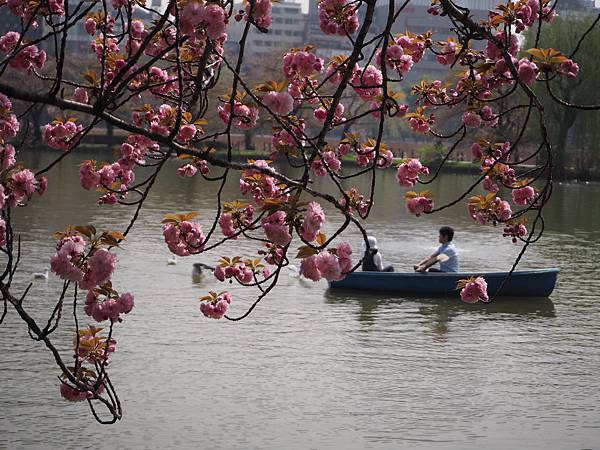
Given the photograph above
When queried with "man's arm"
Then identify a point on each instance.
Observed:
(421, 265)
(433, 259)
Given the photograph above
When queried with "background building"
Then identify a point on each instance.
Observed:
(286, 31)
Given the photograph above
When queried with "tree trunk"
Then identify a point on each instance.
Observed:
(560, 145)
(248, 140)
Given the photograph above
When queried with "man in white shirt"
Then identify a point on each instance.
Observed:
(446, 255)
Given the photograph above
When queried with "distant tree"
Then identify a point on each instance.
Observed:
(571, 129)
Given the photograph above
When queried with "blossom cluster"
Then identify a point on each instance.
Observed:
(353, 200)
(215, 305)
(81, 257)
(183, 237)
(408, 172)
(332, 264)
(244, 271)
(237, 216)
(17, 184)
(489, 209)
(337, 17)
(418, 203)
(473, 290)
(25, 57)
(261, 186)
(62, 135)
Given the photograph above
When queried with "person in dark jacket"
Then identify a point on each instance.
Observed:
(372, 260)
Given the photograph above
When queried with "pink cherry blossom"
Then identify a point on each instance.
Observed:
(67, 260)
(101, 266)
(448, 53)
(90, 26)
(475, 291)
(329, 266)
(367, 82)
(186, 133)
(276, 229)
(187, 171)
(81, 95)
(472, 119)
(419, 125)
(280, 103)
(299, 64)
(309, 268)
(9, 41)
(226, 224)
(24, 58)
(184, 238)
(386, 159)
(419, 205)
(88, 176)
(408, 172)
(2, 232)
(337, 17)
(515, 231)
(523, 196)
(244, 116)
(343, 149)
(126, 303)
(569, 68)
(489, 185)
(260, 14)
(7, 156)
(62, 135)
(489, 118)
(71, 394)
(344, 254)
(314, 217)
(332, 161)
(217, 308)
(23, 183)
(528, 71)
(322, 112)
(476, 151)
(494, 53)
(9, 125)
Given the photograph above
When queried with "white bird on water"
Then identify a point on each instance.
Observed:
(41, 275)
(171, 261)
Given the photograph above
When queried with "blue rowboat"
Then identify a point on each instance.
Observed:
(525, 283)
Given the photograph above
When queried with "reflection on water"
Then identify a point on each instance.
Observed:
(314, 368)
(438, 312)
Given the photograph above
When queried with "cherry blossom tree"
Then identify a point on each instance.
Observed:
(153, 77)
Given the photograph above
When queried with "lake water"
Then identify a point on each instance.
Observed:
(312, 368)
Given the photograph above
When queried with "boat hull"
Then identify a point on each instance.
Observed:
(526, 283)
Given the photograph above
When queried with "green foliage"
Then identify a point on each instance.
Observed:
(431, 154)
(573, 133)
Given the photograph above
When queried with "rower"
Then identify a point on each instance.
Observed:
(446, 255)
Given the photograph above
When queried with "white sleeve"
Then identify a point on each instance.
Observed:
(378, 261)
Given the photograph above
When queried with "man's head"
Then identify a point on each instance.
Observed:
(446, 235)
